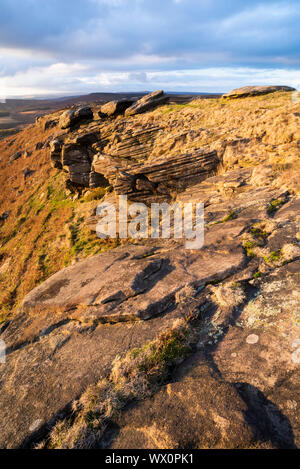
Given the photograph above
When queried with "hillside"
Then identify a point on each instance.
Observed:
(15, 114)
(125, 343)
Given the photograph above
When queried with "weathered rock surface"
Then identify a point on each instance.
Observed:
(275, 353)
(72, 117)
(115, 281)
(146, 103)
(135, 144)
(255, 91)
(114, 108)
(47, 122)
(127, 167)
(42, 377)
(198, 410)
(55, 153)
(158, 178)
(77, 161)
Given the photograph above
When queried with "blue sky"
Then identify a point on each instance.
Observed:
(80, 46)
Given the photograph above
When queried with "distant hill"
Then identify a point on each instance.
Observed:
(15, 114)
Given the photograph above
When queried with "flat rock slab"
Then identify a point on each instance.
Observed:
(147, 103)
(255, 91)
(129, 283)
(43, 376)
(263, 350)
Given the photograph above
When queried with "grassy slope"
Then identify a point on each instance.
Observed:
(45, 230)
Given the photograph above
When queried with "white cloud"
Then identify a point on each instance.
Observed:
(79, 78)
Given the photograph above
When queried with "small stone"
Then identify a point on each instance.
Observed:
(4, 216)
(16, 156)
(27, 172)
(35, 425)
(252, 339)
(39, 146)
(5, 266)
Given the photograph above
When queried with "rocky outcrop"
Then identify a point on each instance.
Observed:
(126, 167)
(134, 144)
(147, 103)
(77, 161)
(55, 153)
(72, 117)
(255, 91)
(160, 178)
(114, 108)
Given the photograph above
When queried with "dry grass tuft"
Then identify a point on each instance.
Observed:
(228, 295)
(132, 377)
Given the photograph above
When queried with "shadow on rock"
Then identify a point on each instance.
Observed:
(265, 418)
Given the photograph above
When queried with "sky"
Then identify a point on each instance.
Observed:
(71, 47)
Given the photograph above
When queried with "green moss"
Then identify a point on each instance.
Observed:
(249, 245)
(159, 358)
(258, 233)
(44, 266)
(50, 191)
(85, 243)
(274, 256)
(3, 315)
(257, 274)
(97, 194)
(230, 216)
(172, 108)
(15, 231)
(274, 205)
